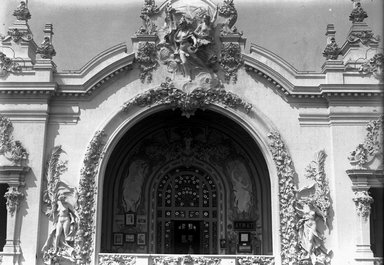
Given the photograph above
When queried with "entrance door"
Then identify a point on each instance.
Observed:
(187, 237)
(186, 212)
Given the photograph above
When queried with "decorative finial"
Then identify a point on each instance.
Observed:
(331, 51)
(46, 48)
(22, 12)
(358, 14)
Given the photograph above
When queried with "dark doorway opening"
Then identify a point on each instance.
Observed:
(187, 237)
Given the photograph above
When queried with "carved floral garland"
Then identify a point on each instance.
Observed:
(256, 260)
(7, 65)
(363, 202)
(116, 259)
(287, 198)
(13, 196)
(11, 149)
(146, 58)
(231, 60)
(188, 102)
(372, 146)
(186, 260)
(87, 194)
(374, 65)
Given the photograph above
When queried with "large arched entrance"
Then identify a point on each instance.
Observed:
(176, 185)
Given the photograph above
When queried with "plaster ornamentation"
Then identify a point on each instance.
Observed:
(374, 65)
(188, 103)
(256, 260)
(146, 58)
(14, 197)
(164, 260)
(189, 260)
(22, 12)
(365, 37)
(61, 208)
(287, 199)
(7, 65)
(87, 196)
(116, 259)
(12, 150)
(46, 49)
(313, 204)
(371, 147)
(149, 9)
(378, 261)
(16, 35)
(231, 61)
(363, 203)
(331, 51)
(358, 14)
(229, 12)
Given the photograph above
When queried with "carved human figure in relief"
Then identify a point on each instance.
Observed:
(132, 185)
(204, 31)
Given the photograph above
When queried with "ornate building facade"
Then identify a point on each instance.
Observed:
(190, 150)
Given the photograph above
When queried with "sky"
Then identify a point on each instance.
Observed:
(293, 29)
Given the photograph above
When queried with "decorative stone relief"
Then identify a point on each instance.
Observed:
(229, 12)
(365, 37)
(363, 203)
(116, 259)
(7, 65)
(231, 60)
(146, 58)
(61, 208)
(374, 65)
(371, 147)
(87, 192)
(313, 204)
(185, 260)
(188, 103)
(46, 49)
(12, 150)
(22, 12)
(16, 35)
(287, 199)
(358, 14)
(331, 51)
(256, 260)
(147, 12)
(14, 197)
(164, 260)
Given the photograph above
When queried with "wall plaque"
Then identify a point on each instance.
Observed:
(244, 225)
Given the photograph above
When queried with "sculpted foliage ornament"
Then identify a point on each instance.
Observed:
(287, 199)
(61, 208)
(14, 197)
(16, 35)
(188, 103)
(46, 49)
(358, 14)
(331, 51)
(149, 9)
(372, 146)
(116, 259)
(375, 66)
(231, 61)
(228, 11)
(365, 37)
(9, 148)
(22, 12)
(146, 58)
(363, 203)
(164, 260)
(87, 192)
(7, 65)
(256, 260)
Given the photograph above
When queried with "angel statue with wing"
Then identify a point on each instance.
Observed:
(61, 202)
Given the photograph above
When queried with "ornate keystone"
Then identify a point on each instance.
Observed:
(363, 203)
(14, 197)
(22, 12)
(358, 14)
(187, 102)
(7, 65)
